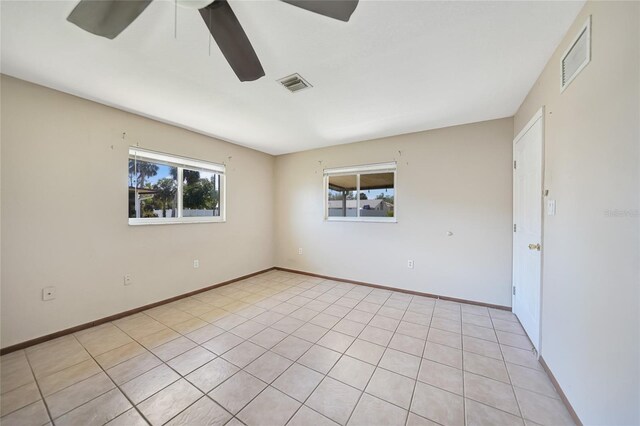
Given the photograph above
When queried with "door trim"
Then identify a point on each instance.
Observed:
(539, 115)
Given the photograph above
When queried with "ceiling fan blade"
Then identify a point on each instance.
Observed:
(232, 40)
(336, 9)
(106, 18)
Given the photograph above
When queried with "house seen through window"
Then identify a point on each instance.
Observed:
(364, 193)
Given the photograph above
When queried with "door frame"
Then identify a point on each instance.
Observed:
(539, 115)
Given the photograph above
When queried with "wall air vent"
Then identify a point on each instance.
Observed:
(577, 56)
(294, 83)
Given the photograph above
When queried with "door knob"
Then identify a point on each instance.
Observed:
(534, 247)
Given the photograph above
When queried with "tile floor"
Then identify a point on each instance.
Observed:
(282, 348)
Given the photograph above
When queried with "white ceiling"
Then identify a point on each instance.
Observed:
(396, 67)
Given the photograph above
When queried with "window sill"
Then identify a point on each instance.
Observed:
(362, 219)
(176, 221)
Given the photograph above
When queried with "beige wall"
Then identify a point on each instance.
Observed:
(456, 179)
(64, 214)
(591, 300)
(64, 178)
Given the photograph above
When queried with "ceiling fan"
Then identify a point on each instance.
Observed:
(108, 18)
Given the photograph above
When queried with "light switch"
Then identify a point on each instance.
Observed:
(551, 207)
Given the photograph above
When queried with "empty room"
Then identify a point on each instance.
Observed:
(319, 213)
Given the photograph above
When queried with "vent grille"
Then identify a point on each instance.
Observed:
(294, 83)
(577, 56)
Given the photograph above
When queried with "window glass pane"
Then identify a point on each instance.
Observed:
(200, 193)
(153, 189)
(342, 196)
(377, 195)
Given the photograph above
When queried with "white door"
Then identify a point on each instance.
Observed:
(527, 220)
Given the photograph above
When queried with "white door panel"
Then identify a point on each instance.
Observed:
(527, 218)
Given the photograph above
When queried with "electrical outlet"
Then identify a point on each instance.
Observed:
(128, 280)
(410, 264)
(196, 264)
(299, 250)
(48, 293)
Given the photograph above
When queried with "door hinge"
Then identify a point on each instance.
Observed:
(514, 227)
(514, 290)
(514, 164)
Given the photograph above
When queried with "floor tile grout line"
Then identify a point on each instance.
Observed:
(413, 392)
(85, 403)
(386, 347)
(270, 384)
(204, 395)
(125, 412)
(515, 396)
(487, 377)
(491, 378)
(420, 365)
(137, 340)
(132, 341)
(115, 387)
(496, 408)
(464, 400)
(481, 375)
(374, 371)
(132, 358)
(327, 375)
(133, 378)
(35, 380)
(429, 420)
(66, 387)
(243, 369)
(62, 369)
(537, 393)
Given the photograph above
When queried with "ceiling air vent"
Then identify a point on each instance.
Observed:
(577, 56)
(294, 83)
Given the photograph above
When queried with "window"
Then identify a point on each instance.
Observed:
(169, 189)
(363, 193)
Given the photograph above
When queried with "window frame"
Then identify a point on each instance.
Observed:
(390, 167)
(182, 163)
